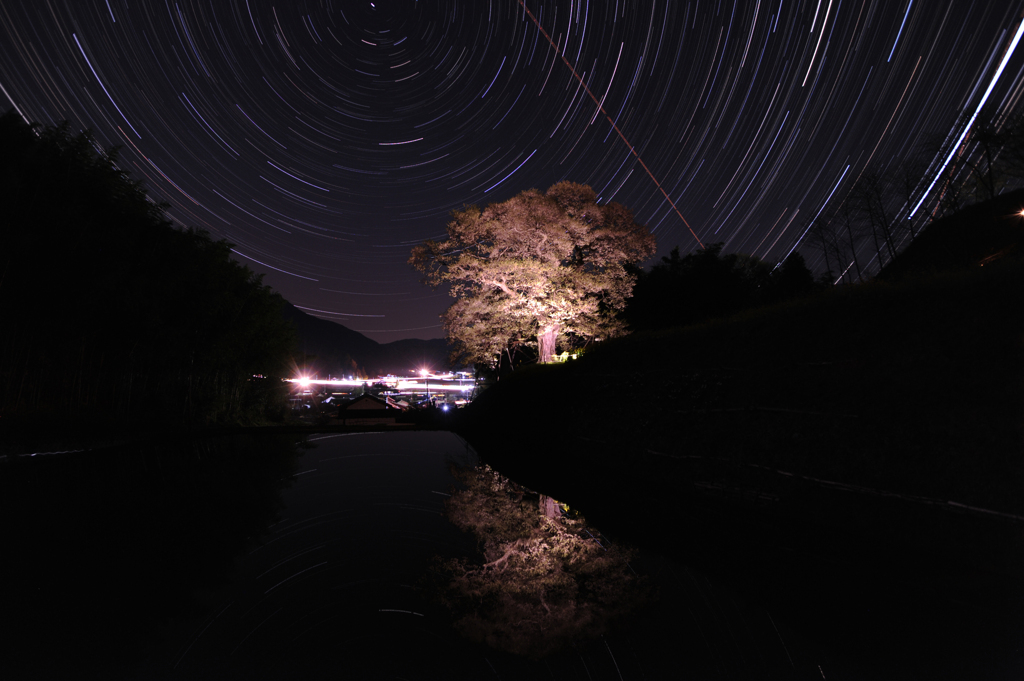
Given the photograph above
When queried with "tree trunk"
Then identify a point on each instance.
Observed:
(878, 246)
(546, 338)
(549, 507)
(820, 228)
(853, 244)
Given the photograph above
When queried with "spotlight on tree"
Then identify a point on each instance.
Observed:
(538, 270)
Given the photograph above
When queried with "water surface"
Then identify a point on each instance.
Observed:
(250, 558)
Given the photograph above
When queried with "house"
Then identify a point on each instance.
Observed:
(369, 410)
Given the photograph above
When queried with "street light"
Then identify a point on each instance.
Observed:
(426, 381)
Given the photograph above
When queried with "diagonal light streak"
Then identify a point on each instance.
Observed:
(75, 36)
(600, 107)
(967, 128)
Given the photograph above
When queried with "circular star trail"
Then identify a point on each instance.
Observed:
(325, 138)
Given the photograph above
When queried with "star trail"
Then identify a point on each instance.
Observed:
(325, 138)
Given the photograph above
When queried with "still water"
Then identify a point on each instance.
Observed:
(259, 558)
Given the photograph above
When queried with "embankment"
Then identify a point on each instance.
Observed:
(851, 461)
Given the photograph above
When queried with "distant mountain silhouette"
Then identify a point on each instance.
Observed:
(333, 349)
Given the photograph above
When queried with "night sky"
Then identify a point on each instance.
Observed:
(324, 138)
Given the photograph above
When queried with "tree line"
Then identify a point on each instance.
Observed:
(704, 284)
(110, 312)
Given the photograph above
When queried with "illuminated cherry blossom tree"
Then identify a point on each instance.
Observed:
(545, 266)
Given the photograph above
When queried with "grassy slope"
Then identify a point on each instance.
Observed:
(912, 387)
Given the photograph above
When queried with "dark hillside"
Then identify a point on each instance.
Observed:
(337, 350)
(334, 346)
(412, 354)
(976, 236)
(820, 453)
(914, 387)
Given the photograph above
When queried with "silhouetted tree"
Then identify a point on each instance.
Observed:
(109, 309)
(1010, 140)
(549, 267)
(966, 177)
(792, 278)
(823, 233)
(909, 179)
(833, 234)
(845, 216)
(706, 284)
(873, 201)
(996, 158)
(983, 163)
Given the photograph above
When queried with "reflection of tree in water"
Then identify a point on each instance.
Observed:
(546, 582)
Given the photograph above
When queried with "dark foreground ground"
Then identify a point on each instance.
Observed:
(851, 462)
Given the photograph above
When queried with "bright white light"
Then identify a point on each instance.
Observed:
(967, 128)
(437, 383)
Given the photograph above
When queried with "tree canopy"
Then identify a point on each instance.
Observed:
(109, 310)
(706, 284)
(538, 270)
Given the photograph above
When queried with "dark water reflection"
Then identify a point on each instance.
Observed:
(249, 558)
(100, 548)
